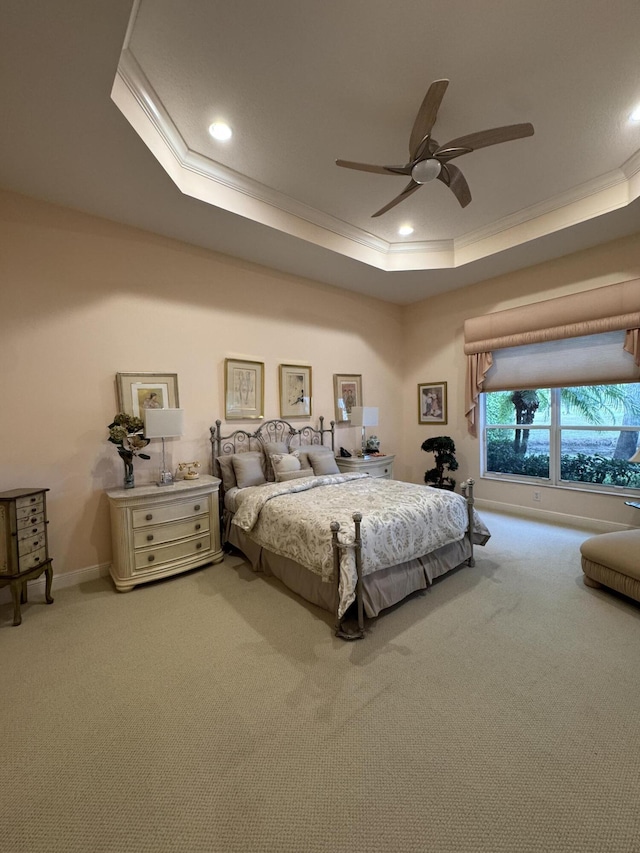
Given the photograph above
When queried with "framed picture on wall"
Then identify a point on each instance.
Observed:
(243, 389)
(347, 390)
(140, 391)
(432, 403)
(295, 391)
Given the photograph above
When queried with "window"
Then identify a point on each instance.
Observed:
(578, 437)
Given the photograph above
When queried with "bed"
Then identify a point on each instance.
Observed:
(349, 543)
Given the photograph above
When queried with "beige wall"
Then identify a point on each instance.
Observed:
(82, 299)
(434, 352)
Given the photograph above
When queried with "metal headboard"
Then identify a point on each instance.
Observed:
(276, 430)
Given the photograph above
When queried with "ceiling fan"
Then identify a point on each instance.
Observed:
(428, 160)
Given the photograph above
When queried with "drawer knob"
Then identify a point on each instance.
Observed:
(150, 537)
(33, 500)
(198, 526)
(148, 516)
(36, 559)
(199, 545)
(33, 520)
(197, 507)
(34, 530)
(151, 558)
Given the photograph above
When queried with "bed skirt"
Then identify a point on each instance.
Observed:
(380, 589)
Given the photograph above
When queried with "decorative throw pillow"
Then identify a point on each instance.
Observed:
(248, 469)
(303, 453)
(294, 475)
(274, 448)
(323, 463)
(284, 464)
(227, 474)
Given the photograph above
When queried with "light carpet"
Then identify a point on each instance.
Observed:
(216, 712)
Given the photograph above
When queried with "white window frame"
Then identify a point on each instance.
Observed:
(554, 427)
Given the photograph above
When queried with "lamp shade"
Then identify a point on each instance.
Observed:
(635, 457)
(365, 416)
(163, 423)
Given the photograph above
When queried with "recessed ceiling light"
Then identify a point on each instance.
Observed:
(635, 115)
(405, 230)
(220, 131)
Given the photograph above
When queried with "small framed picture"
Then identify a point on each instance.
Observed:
(432, 403)
(243, 389)
(347, 389)
(140, 391)
(295, 391)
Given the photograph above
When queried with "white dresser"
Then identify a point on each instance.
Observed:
(374, 466)
(157, 531)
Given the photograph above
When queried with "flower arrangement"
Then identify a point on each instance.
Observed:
(126, 432)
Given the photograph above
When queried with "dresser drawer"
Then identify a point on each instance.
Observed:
(377, 471)
(34, 543)
(31, 529)
(149, 558)
(30, 561)
(144, 537)
(169, 512)
(23, 504)
(29, 515)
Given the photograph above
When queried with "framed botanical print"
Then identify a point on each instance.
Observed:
(140, 391)
(432, 403)
(347, 390)
(243, 389)
(295, 391)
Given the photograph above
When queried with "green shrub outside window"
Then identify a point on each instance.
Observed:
(580, 435)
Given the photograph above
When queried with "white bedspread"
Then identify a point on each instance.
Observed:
(400, 521)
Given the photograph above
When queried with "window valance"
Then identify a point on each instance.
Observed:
(508, 348)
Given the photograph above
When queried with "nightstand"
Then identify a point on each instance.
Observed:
(374, 466)
(24, 550)
(158, 531)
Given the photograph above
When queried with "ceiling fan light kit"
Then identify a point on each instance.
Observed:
(429, 161)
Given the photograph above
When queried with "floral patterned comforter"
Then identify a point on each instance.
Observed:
(400, 521)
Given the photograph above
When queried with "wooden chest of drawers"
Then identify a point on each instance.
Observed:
(157, 531)
(24, 549)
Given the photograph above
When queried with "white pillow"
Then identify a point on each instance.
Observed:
(284, 464)
(248, 469)
(323, 463)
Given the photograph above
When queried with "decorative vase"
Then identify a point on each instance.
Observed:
(127, 458)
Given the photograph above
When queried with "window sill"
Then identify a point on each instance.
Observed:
(618, 492)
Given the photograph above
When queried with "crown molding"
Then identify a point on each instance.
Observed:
(215, 184)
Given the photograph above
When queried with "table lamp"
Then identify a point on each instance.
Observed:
(163, 423)
(364, 416)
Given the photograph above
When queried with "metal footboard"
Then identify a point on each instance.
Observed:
(467, 492)
(338, 547)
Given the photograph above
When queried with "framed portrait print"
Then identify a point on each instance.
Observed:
(347, 389)
(243, 389)
(140, 391)
(295, 391)
(432, 403)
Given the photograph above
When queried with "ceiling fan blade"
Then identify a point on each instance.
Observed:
(411, 187)
(427, 113)
(456, 181)
(379, 170)
(484, 138)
